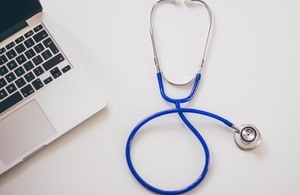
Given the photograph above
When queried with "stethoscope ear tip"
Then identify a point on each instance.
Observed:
(247, 137)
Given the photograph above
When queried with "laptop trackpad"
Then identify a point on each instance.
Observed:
(23, 131)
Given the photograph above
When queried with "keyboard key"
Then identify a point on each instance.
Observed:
(11, 88)
(3, 94)
(29, 43)
(53, 62)
(2, 83)
(40, 36)
(19, 40)
(50, 44)
(9, 46)
(47, 54)
(29, 76)
(55, 72)
(3, 70)
(12, 65)
(66, 69)
(21, 59)
(20, 48)
(3, 59)
(11, 54)
(39, 48)
(10, 101)
(38, 71)
(10, 77)
(37, 84)
(19, 71)
(28, 34)
(27, 90)
(28, 66)
(48, 80)
(38, 28)
(37, 60)
(20, 82)
(2, 50)
(30, 54)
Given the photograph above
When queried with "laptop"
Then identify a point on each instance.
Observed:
(44, 90)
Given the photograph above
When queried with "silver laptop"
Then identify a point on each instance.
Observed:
(44, 90)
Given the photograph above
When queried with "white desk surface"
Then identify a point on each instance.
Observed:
(251, 75)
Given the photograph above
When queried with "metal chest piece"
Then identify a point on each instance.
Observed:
(247, 137)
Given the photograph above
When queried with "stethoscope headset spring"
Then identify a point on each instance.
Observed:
(246, 137)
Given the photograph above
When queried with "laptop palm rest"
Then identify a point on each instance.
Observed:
(24, 131)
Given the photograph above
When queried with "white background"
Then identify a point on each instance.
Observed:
(251, 75)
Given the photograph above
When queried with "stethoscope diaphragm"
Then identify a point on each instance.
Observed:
(247, 137)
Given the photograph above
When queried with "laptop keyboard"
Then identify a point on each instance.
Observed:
(27, 65)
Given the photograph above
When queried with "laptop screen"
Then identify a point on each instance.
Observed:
(13, 14)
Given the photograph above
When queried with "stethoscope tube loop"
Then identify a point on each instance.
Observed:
(181, 112)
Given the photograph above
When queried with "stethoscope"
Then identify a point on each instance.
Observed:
(246, 137)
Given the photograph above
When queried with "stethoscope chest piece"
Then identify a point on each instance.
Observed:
(247, 137)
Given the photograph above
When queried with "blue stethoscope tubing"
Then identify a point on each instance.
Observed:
(180, 111)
